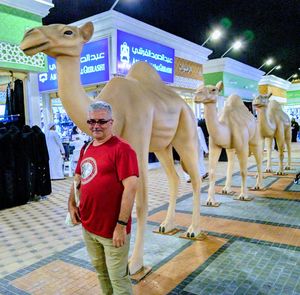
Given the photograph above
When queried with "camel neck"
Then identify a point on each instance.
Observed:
(215, 128)
(266, 128)
(71, 92)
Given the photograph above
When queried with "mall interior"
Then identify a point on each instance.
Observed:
(246, 247)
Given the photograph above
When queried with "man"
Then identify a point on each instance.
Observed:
(108, 172)
(295, 129)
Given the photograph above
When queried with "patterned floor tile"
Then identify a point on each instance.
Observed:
(52, 279)
(251, 181)
(248, 268)
(294, 169)
(263, 210)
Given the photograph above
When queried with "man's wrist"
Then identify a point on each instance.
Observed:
(121, 222)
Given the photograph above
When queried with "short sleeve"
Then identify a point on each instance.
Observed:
(126, 162)
(78, 169)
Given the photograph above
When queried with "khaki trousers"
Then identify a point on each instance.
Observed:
(111, 264)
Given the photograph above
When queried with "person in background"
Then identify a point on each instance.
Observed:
(202, 149)
(56, 153)
(295, 129)
(108, 174)
(74, 132)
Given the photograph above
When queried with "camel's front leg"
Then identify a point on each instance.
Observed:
(257, 152)
(288, 146)
(269, 141)
(230, 156)
(243, 160)
(214, 154)
(166, 159)
(189, 155)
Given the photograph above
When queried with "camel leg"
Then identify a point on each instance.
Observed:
(187, 156)
(243, 160)
(269, 154)
(280, 144)
(136, 259)
(166, 159)
(230, 156)
(257, 152)
(213, 158)
(288, 146)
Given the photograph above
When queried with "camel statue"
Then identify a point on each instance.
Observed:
(147, 113)
(235, 129)
(273, 123)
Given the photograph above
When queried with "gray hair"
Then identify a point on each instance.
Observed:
(100, 105)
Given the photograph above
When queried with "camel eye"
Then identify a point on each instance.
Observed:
(69, 32)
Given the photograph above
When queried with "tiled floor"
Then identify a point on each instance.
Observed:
(251, 247)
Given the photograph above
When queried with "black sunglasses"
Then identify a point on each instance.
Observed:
(100, 121)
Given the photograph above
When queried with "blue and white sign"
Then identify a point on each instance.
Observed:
(93, 66)
(131, 49)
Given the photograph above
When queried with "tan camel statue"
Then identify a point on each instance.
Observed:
(147, 113)
(273, 123)
(235, 129)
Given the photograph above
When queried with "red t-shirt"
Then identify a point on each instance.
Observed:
(102, 169)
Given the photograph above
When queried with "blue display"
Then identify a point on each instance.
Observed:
(131, 49)
(94, 66)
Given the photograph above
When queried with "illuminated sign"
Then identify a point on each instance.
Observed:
(131, 49)
(93, 66)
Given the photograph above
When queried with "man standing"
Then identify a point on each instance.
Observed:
(108, 171)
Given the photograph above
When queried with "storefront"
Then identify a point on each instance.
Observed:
(292, 106)
(275, 85)
(17, 71)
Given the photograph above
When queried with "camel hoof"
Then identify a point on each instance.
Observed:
(227, 192)
(268, 170)
(243, 198)
(256, 188)
(287, 168)
(134, 267)
(212, 204)
(280, 173)
(161, 229)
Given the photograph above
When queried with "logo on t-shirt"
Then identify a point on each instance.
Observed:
(88, 170)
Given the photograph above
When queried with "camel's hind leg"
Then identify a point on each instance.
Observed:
(230, 156)
(243, 160)
(287, 133)
(280, 144)
(189, 156)
(166, 159)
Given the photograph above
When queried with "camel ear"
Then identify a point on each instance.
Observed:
(220, 86)
(87, 31)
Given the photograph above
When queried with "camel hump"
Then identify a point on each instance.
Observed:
(236, 113)
(234, 101)
(144, 72)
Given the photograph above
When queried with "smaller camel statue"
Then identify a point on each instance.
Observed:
(273, 122)
(235, 129)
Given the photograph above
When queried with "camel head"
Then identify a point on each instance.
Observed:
(208, 94)
(261, 101)
(57, 40)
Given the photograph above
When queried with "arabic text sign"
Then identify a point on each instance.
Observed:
(131, 49)
(93, 66)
